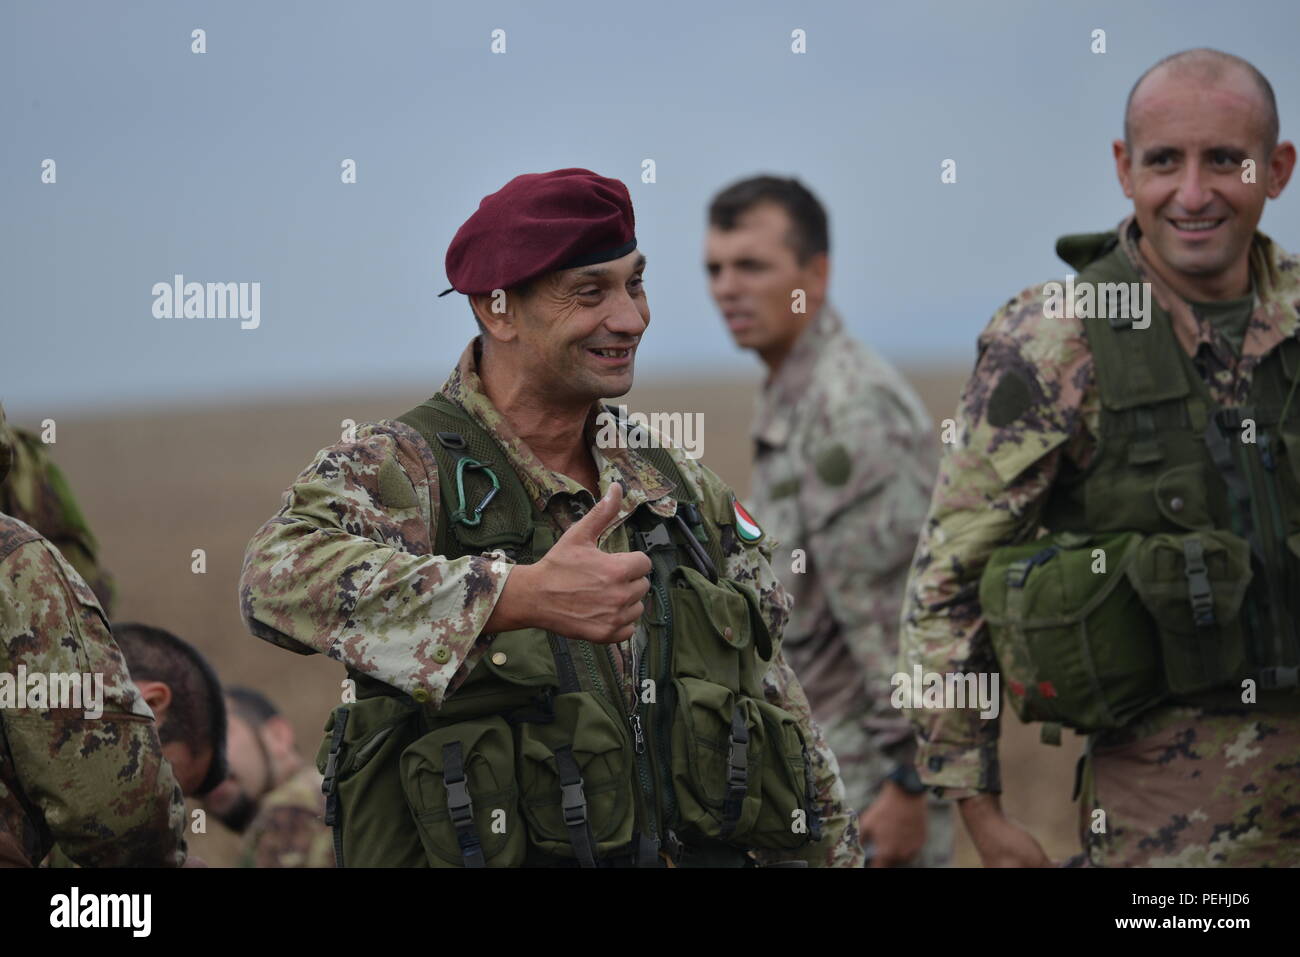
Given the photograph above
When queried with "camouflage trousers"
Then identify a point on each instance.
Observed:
(863, 769)
(1192, 788)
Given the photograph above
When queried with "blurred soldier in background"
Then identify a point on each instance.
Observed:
(1154, 436)
(92, 775)
(844, 464)
(185, 695)
(273, 796)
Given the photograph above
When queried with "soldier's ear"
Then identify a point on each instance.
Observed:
(279, 736)
(497, 313)
(158, 696)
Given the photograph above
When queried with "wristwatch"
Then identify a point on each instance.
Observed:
(905, 776)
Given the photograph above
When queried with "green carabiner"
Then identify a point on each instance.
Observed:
(460, 515)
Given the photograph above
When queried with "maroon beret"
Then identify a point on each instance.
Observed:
(538, 223)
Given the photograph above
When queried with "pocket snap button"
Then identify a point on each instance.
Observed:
(499, 658)
(1176, 504)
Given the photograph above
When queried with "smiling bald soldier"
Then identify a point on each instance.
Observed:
(563, 654)
(1117, 527)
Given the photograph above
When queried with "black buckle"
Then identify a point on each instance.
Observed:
(459, 805)
(574, 803)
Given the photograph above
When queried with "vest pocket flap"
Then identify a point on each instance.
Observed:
(522, 657)
(460, 785)
(1192, 581)
(723, 606)
(1181, 497)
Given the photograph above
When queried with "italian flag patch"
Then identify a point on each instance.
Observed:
(746, 527)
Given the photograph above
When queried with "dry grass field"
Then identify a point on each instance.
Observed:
(156, 485)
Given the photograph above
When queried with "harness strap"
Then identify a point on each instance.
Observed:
(459, 805)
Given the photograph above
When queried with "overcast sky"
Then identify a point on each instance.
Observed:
(225, 166)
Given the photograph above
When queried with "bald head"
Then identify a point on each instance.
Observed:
(1210, 68)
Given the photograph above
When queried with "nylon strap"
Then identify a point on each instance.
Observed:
(1198, 583)
(459, 806)
(737, 772)
(573, 802)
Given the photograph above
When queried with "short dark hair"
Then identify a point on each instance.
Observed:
(197, 715)
(1209, 64)
(252, 707)
(810, 232)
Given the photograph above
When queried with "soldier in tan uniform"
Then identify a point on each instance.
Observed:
(273, 796)
(843, 467)
(88, 774)
(1196, 739)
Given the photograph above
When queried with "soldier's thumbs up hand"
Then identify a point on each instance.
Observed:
(577, 590)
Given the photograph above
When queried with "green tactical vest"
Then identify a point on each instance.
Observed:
(1171, 568)
(538, 758)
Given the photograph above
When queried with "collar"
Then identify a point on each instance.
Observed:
(642, 482)
(1275, 279)
(778, 401)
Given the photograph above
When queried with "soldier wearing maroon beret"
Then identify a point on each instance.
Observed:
(566, 650)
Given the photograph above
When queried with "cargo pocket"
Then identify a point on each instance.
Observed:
(718, 634)
(1074, 644)
(460, 785)
(365, 803)
(1193, 586)
(788, 814)
(717, 743)
(575, 779)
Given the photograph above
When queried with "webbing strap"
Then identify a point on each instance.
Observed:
(1198, 583)
(328, 785)
(459, 806)
(737, 772)
(573, 803)
(1238, 485)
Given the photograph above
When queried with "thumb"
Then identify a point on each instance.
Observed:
(588, 528)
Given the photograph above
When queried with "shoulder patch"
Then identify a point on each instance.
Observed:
(746, 527)
(1010, 400)
(395, 490)
(834, 465)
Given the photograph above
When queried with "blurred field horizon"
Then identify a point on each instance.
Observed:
(157, 483)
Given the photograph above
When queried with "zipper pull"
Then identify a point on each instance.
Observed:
(638, 737)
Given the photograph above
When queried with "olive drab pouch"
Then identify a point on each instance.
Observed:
(739, 767)
(740, 651)
(460, 785)
(575, 779)
(364, 800)
(1193, 585)
(1074, 644)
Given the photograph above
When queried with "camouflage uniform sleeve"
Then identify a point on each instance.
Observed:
(36, 492)
(863, 502)
(751, 565)
(106, 793)
(346, 568)
(1018, 414)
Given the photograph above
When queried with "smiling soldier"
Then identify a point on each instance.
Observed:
(1161, 454)
(563, 654)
